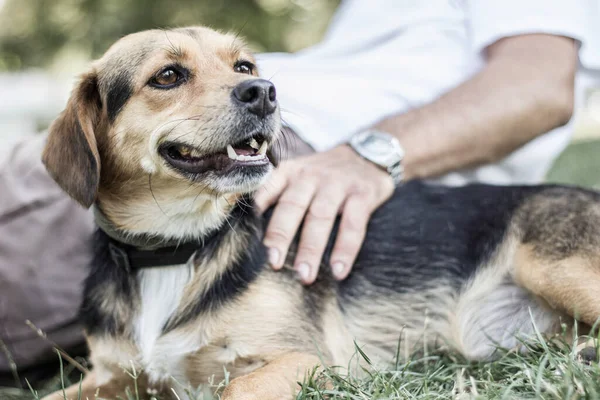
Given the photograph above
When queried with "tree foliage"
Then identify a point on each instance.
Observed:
(33, 32)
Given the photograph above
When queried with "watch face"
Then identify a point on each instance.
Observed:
(380, 148)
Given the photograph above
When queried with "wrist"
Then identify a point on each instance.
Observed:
(382, 150)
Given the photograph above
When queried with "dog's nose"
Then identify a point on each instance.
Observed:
(257, 95)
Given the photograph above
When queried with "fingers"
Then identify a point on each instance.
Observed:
(318, 188)
(286, 220)
(351, 234)
(270, 192)
(316, 230)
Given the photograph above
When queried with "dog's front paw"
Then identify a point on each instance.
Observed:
(259, 387)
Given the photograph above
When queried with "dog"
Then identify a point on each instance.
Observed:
(168, 135)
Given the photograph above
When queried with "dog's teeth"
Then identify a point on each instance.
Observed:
(250, 158)
(231, 152)
(263, 148)
(254, 144)
(239, 157)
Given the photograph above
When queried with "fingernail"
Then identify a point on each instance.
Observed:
(303, 271)
(273, 256)
(338, 269)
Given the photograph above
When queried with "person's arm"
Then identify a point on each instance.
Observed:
(524, 90)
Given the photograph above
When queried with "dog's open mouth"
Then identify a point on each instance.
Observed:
(250, 151)
(187, 158)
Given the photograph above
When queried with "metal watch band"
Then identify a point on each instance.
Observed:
(396, 171)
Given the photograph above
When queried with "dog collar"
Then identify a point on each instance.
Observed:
(141, 251)
(131, 258)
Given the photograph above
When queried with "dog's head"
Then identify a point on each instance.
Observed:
(166, 127)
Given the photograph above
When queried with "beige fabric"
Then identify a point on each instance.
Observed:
(44, 253)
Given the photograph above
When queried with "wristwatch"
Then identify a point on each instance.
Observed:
(382, 149)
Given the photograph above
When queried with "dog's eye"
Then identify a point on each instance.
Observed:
(167, 78)
(244, 67)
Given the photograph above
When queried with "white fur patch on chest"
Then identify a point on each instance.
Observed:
(161, 290)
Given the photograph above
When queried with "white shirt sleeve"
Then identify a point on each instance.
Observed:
(491, 20)
(386, 57)
(379, 58)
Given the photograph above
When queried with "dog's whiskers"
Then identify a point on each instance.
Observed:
(175, 51)
(154, 197)
(227, 216)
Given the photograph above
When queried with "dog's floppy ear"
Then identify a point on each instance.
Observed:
(71, 153)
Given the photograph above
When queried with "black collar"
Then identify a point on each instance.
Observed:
(142, 251)
(134, 252)
(132, 258)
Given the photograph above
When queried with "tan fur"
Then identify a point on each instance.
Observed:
(570, 285)
(114, 306)
(559, 260)
(275, 381)
(491, 299)
(417, 320)
(250, 333)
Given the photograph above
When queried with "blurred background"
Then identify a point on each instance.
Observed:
(44, 44)
(59, 34)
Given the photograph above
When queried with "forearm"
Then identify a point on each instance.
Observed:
(525, 90)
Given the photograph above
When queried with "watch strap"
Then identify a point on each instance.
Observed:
(396, 170)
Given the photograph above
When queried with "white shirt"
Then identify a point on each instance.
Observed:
(385, 57)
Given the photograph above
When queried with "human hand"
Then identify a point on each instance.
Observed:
(317, 188)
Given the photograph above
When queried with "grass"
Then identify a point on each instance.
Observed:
(548, 370)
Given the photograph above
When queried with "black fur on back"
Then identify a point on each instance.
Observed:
(425, 233)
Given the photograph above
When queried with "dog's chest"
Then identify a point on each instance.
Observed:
(161, 291)
(163, 354)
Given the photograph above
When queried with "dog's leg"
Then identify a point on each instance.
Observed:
(92, 391)
(275, 381)
(570, 284)
(88, 390)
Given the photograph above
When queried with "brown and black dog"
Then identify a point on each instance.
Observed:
(167, 136)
